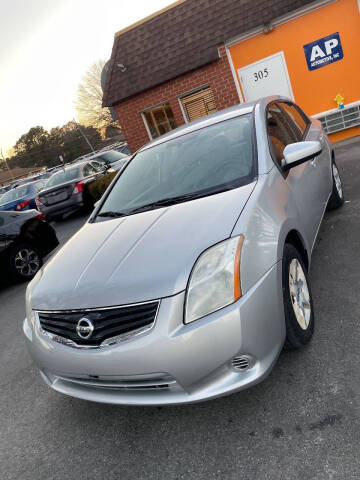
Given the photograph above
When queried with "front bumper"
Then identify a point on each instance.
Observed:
(173, 363)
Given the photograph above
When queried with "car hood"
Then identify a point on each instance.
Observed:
(136, 258)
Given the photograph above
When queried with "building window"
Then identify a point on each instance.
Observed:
(159, 120)
(198, 104)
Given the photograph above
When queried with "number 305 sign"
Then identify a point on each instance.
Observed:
(261, 74)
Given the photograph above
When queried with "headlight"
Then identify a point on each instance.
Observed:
(215, 279)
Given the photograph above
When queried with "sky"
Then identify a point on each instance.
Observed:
(46, 46)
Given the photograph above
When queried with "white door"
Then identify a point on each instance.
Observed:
(268, 76)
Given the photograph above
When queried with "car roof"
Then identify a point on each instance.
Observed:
(23, 185)
(98, 154)
(70, 167)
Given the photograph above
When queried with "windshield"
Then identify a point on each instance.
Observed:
(62, 177)
(110, 157)
(15, 194)
(200, 163)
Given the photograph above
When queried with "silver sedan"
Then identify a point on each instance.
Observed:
(192, 272)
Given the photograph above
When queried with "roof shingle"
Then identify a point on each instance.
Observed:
(182, 39)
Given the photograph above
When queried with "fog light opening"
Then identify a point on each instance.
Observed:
(242, 363)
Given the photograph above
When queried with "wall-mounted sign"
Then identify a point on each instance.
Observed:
(268, 76)
(323, 51)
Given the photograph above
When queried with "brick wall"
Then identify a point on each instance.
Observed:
(217, 74)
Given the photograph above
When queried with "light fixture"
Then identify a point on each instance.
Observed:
(268, 28)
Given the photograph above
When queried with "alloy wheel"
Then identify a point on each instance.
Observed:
(337, 180)
(299, 294)
(27, 262)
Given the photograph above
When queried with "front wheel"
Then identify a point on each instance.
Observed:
(337, 195)
(24, 261)
(298, 305)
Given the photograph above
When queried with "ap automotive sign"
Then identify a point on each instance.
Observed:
(323, 51)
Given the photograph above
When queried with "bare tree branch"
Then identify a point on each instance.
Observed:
(89, 99)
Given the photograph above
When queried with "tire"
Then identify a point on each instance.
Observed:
(299, 321)
(336, 199)
(24, 261)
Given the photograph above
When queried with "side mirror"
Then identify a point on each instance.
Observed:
(300, 152)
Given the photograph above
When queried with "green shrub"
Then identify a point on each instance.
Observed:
(98, 187)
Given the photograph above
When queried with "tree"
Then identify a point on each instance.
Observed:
(89, 100)
(40, 148)
(35, 138)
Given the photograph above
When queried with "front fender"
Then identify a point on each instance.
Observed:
(269, 215)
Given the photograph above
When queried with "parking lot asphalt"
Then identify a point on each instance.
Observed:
(302, 422)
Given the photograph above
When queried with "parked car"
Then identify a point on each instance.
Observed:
(67, 190)
(110, 158)
(22, 197)
(4, 189)
(43, 175)
(22, 181)
(123, 148)
(25, 239)
(192, 272)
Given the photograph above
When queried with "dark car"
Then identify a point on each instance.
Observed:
(22, 197)
(25, 239)
(123, 148)
(111, 159)
(68, 190)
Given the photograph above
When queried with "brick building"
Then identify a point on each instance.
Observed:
(199, 56)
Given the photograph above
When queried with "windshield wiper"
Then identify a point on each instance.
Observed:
(165, 202)
(112, 214)
(171, 201)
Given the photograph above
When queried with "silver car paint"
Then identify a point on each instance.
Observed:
(281, 204)
(197, 355)
(136, 258)
(172, 348)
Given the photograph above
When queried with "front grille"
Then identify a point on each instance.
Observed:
(109, 323)
(161, 383)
